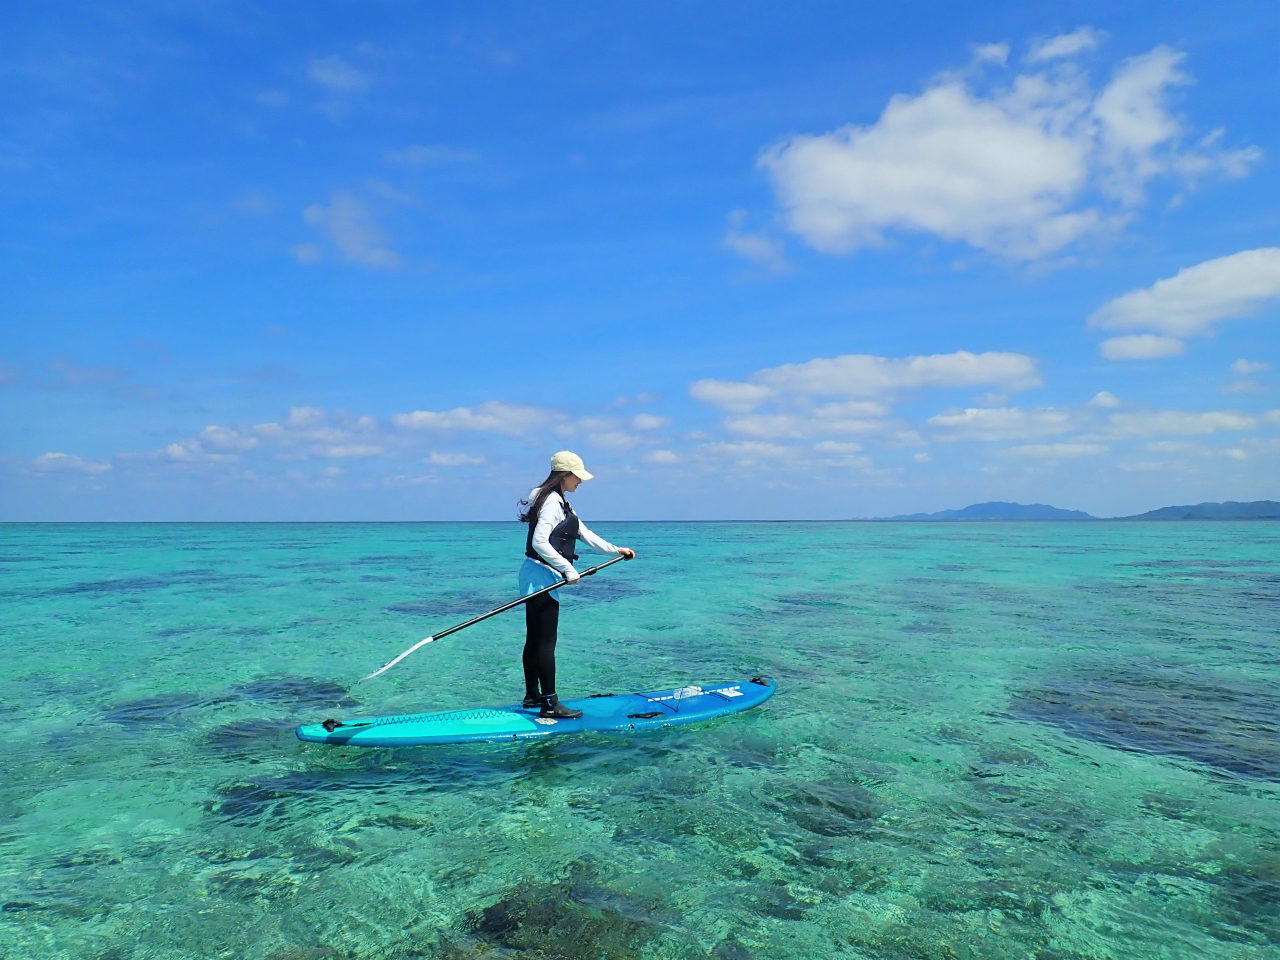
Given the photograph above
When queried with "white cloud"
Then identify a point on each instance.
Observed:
(1104, 399)
(454, 459)
(67, 462)
(835, 418)
(349, 225)
(304, 417)
(342, 450)
(1005, 172)
(863, 375)
(308, 253)
(662, 457)
(1057, 451)
(755, 247)
(1245, 368)
(419, 155)
(991, 53)
(1001, 423)
(336, 75)
(921, 457)
(647, 421)
(730, 396)
(224, 439)
(1066, 45)
(1141, 346)
(1178, 423)
(493, 416)
(191, 451)
(1192, 301)
(832, 446)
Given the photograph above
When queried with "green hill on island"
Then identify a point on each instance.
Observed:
(1231, 510)
(999, 510)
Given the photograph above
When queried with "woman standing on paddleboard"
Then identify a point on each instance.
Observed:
(554, 531)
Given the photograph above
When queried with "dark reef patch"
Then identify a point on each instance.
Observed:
(247, 737)
(293, 692)
(1233, 726)
(162, 581)
(829, 809)
(445, 608)
(571, 921)
(166, 708)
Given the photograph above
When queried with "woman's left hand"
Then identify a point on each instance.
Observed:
(626, 553)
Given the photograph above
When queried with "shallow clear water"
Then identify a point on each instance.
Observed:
(990, 740)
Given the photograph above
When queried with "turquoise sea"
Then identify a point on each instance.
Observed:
(1043, 741)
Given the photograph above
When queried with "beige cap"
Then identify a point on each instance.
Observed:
(569, 462)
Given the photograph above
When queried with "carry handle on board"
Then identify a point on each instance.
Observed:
(485, 616)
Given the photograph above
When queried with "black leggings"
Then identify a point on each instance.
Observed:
(541, 620)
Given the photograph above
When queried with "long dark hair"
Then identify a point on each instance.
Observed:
(533, 506)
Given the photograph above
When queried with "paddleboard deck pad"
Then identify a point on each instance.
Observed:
(612, 713)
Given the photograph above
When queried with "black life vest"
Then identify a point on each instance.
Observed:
(564, 538)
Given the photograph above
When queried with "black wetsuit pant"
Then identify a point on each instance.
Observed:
(541, 621)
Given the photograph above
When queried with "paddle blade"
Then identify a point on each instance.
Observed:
(391, 663)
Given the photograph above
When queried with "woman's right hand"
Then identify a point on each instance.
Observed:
(572, 576)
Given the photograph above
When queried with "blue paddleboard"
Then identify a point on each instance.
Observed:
(621, 712)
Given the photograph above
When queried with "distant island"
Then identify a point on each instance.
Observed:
(999, 510)
(1231, 510)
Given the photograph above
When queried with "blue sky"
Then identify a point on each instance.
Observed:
(801, 260)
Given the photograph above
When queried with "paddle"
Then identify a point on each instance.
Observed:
(484, 616)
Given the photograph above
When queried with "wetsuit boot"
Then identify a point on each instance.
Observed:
(553, 709)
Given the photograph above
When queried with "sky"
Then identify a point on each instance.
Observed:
(802, 260)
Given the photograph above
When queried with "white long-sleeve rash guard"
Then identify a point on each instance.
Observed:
(549, 518)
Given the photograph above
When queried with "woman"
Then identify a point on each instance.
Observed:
(554, 530)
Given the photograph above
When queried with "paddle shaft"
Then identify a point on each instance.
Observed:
(485, 616)
(526, 599)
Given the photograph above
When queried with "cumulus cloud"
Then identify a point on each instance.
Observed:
(1065, 45)
(863, 375)
(303, 417)
(68, 463)
(730, 396)
(226, 439)
(454, 459)
(826, 420)
(336, 75)
(661, 457)
(1141, 346)
(1178, 423)
(493, 416)
(341, 450)
(304, 432)
(1007, 171)
(1000, 423)
(349, 226)
(1245, 368)
(1189, 303)
(756, 247)
(1057, 451)
(648, 421)
(192, 451)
